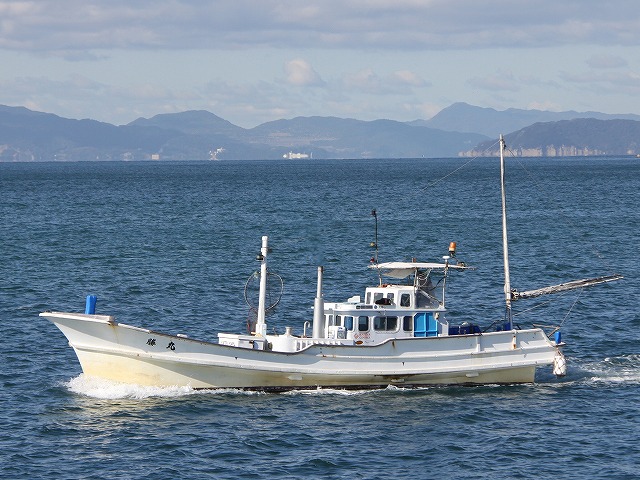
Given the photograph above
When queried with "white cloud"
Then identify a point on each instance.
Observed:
(409, 78)
(300, 73)
(365, 80)
(424, 110)
(405, 59)
(50, 25)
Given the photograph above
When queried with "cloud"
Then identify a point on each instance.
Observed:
(625, 82)
(75, 95)
(408, 78)
(606, 61)
(368, 81)
(365, 80)
(502, 81)
(544, 105)
(252, 61)
(424, 110)
(52, 25)
(300, 73)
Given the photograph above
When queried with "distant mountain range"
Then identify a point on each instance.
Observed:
(567, 138)
(462, 117)
(460, 129)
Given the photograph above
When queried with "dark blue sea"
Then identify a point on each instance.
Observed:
(169, 246)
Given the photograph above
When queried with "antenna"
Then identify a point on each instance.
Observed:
(374, 244)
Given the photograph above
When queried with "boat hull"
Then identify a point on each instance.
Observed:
(123, 353)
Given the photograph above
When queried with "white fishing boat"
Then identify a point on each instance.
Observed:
(396, 334)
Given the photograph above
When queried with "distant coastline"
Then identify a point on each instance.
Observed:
(459, 130)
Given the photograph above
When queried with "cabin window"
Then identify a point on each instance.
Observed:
(330, 320)
(338, 320)
(386, 324)
(368, 302)
(363, 323)
(391, 296)
(407, 323)
(405, 300)
(348, 323)
(377, 296)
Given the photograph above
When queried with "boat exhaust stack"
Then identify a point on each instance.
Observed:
(318, 309)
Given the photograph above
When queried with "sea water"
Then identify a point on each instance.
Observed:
(170, 246)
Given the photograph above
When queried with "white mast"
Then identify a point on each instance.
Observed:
(505, 243)
(261, 326)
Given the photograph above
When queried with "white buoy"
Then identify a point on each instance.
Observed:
(559, 364)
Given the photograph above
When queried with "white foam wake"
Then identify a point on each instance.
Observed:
(621, 369)
(109, 390)
(95, 387)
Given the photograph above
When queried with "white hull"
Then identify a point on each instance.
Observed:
(129, 354)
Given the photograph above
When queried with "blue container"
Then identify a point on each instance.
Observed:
(558, 337)
(90, 307)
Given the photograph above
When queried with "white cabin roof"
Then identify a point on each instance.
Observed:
(404, 269)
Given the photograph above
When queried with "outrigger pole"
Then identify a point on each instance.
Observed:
(505, 243)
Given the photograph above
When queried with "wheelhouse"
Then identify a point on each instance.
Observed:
(411, 307)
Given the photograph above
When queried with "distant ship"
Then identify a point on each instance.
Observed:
(292, 155)
(213, 154)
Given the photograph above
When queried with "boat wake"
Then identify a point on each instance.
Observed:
(103, 389)
(99, 388)
(624, 369)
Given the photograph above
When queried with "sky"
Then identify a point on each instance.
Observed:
(253, 61)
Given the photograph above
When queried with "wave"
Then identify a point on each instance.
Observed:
(94, 387)
(623, 369)
(103, 389)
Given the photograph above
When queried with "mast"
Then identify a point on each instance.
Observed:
(505, 243)
(261, 326)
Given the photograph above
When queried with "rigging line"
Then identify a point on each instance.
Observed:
(444, 177)
(558, 207)
(571, 308)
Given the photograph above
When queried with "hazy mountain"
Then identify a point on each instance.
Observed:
(32, 136)
(193, 122)
(26, 135)
(349, 138)
(462, 117)
(580, 136)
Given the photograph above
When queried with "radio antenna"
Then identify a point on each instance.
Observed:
(374, 244)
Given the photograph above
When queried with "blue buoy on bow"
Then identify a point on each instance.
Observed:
(90, 308)
(558, 337)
